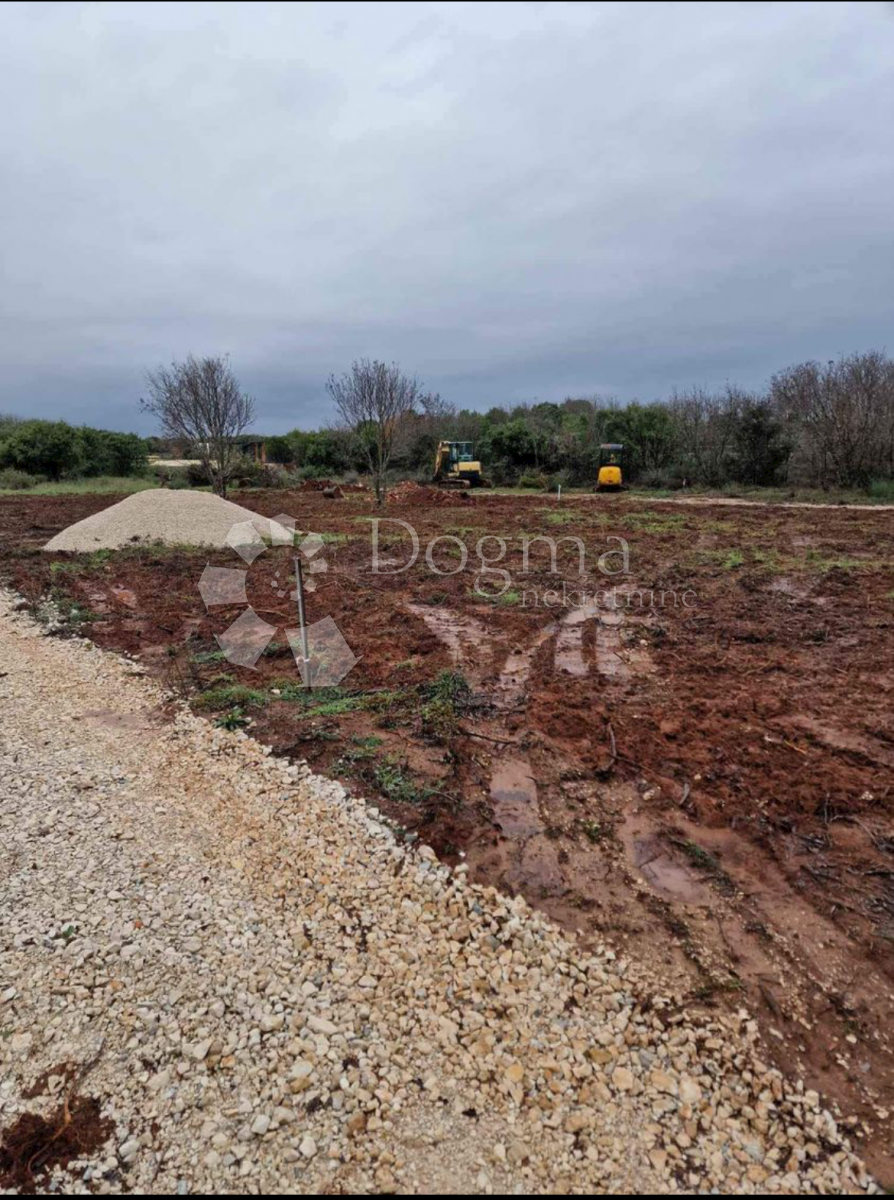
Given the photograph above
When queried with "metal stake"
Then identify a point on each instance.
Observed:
(302, 623)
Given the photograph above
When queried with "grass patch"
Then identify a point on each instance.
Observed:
(817, 561)
(232, 695)
(446, 699)
(393, 780)
(94, 561)
(101, 485)
(727, 560)
(654, 522)
(506, 599)
(559, 516)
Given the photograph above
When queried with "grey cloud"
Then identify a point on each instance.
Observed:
(513, 200)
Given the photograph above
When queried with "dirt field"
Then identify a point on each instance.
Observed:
(696, 764)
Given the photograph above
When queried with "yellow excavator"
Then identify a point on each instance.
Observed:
(610, 478)
(456, 466)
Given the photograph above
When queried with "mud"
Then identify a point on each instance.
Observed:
(705, 782)
(35, 1146)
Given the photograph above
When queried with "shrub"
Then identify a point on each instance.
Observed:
(18, 481)
(196, 475)
(57, 450)
(529, 480)
(882, 489)
(662, 478)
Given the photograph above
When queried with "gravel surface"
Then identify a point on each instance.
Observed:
(279, 996)
(177, 517)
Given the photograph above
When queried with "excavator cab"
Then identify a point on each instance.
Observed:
(610, 477)
(456, 466)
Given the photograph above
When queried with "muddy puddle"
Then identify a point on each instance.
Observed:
(649, 854)
(464, 637)
(617, 653)
(516, 672)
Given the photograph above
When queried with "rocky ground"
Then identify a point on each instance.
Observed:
(263, 989)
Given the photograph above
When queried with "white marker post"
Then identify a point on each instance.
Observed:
(302, 622)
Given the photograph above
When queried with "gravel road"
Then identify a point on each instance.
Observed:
(276, 995)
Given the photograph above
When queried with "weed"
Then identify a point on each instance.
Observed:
(446, 698)
(367, 743)
(209, 656)
(232, 720)
(727, 560)
(596, 833)
(559, 516)
(705, 861)
(768, 559)
(93, 561)
(504, 600)
(395, 782)
(653, 522)
(232, 694)
(818, 561)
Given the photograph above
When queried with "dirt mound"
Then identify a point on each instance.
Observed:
(419, 493)
(172, 517)
(330, 485)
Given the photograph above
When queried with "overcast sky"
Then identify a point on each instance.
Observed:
(514, 201)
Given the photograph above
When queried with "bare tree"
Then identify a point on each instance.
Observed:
(373, 402)
(199, 400)
(707, 424)
(842, 416)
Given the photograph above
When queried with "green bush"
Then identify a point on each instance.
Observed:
(58, 450)
(18, 481)
(883, 490)
(538, 482)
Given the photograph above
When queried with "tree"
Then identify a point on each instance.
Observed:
(707, 424)
(200, 401)
(50, 448)
(373, 402)
(842, 418)
(761, 449)
(280, 450)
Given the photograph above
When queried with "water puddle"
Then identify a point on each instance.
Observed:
(517, 668)
(464, 637)
(616, 656)
(656, 862)
(570, 641)
(513, 796)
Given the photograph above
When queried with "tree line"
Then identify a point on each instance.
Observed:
(32, 451)
(817, 425)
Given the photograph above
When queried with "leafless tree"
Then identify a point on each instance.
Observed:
(707, 424)
(842, 417)
(200, 401)
(373, 402)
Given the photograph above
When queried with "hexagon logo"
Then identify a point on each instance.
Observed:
(321, 652)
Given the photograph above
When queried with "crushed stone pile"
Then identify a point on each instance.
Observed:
(175, 518)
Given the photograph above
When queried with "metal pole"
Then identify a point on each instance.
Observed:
(302, 623)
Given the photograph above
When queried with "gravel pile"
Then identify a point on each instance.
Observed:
(279, 996)
(175, 518)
